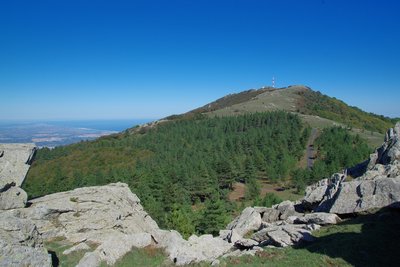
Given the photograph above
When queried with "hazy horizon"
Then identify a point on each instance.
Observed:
(60, 132)
(58, 120)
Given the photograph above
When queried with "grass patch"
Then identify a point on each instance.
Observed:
(284, 258)
(58, 246)
(149, 257)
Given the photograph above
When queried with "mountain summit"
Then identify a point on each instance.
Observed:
(313, 106)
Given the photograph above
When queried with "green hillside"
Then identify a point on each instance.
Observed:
(183, 167)
(316, 103)
(224, 102)
(180, 163)
(314, 108)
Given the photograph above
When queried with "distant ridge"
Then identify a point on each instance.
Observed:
(315, 108)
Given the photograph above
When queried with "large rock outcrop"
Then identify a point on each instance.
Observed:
(377, 187)
(15, 160)
(195, 249)
(21, 243)
(279, 226)
(249, 220)
(109, 221)
(90, 213)
(110, 217)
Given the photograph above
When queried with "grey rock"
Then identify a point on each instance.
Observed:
(90, 259)
(90, 213)
(389, 152)
(233, 236)
(260, 210)
(262, 235)
(114, 247)
(292, 219)
(331, 189)
(20, 243)
(197, 249)
(315, 193)
(15, 163)
(280, 238)
(240, 253)
(80, 246)
(377, 187)
(224, 234)
(392, 151)
(245, 243)
(215, 263)
(321, 218)
(270, 215)
(243, 252)
(312, 227)
(248, 220)
(289, 235)
(283, 235)
(363, 195)
(13, 255)
(373, 159)
(12, 198)
(14, 230)
(286, 209)
(110, 216)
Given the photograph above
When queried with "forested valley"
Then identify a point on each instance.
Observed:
(183, 170)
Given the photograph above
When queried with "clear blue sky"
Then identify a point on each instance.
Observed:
(148, 59)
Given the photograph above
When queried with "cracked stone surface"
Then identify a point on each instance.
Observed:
(21, 243)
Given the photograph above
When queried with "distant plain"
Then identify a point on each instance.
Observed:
(56, 133)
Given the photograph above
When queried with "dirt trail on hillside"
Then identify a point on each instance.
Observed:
(310, 153)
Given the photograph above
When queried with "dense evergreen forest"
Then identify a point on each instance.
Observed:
(179, 164)
(337, 150)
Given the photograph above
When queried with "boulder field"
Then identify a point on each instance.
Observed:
(106, 222)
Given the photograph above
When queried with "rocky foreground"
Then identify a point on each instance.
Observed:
(108, 221)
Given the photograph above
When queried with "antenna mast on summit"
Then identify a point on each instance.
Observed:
(273, 82)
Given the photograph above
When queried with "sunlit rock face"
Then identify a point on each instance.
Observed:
(15, 160)
(377, 187)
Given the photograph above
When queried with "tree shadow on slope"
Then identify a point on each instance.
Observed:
(366, 240)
